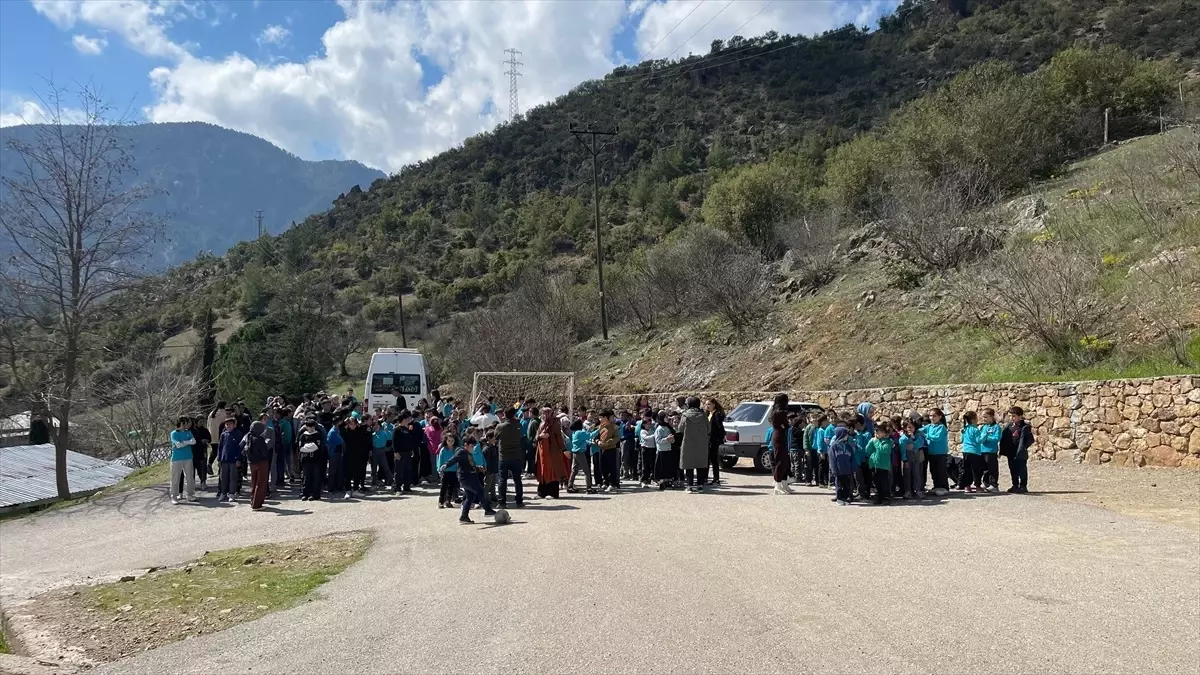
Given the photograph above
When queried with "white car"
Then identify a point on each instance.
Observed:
(746, 431)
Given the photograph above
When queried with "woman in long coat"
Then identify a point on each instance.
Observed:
(693, 455)
(550, 448)
(781, 462)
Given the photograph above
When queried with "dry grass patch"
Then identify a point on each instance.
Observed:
(219, 590)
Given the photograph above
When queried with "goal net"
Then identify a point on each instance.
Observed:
(507, 389)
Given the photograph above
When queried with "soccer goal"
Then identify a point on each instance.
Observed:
(548, 389)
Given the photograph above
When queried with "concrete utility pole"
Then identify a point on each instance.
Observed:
(512, 73)
(258, 219)
(579, 133)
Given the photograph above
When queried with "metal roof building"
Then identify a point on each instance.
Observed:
(27, 475)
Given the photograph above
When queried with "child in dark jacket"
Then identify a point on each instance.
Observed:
(841, 464)
(468, 477)
(229, 453)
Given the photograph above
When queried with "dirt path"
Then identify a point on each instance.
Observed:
(663, 582)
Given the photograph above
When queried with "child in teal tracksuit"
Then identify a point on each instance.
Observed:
(879, 453)
(972, 471)
(989, 449)
(862, 438)
(449, 470)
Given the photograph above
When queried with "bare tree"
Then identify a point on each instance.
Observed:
(940, 223)
(353, 335)
(630, 291)
(718, 275)
(1049, 293)
(810, 240)
(148, 405)
(74, 233)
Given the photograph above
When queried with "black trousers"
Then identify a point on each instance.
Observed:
(404, 472)
(424, 464)
(198, 462)
(312, 469)
(449, 488)
(212, 457)
(812, 469)
(695, 476)
(883, 486)
(972, 470)
(1018, 469)
(714, 461)
(597, 470)
(937, 468)
(630, 455)
(648, 457)
(609, 468)
(991, 469)
(845, 487)
(337, 473)
(356, 467)
(865, 480)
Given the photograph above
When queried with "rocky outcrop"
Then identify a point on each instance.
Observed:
(1142, 422)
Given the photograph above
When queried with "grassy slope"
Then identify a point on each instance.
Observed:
(822, 341)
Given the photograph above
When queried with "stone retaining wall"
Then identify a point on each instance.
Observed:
(1143, 422)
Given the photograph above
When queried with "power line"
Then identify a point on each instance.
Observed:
(685, 17)
(684, 68)
(512, 63)
(739, 28)
(714, 16)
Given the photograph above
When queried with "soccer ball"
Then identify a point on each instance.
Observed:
(501, 517)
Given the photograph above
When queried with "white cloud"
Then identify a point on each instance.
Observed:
(17, 110)
(142, 25)
(91, 46)
(273, 35)
(720, 20)
(367, 91)
(364, 93)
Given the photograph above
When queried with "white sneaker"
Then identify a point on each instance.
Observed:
(174, 500)
(781, 488)
(346, 496)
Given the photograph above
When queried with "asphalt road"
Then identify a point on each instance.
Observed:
(736, 580)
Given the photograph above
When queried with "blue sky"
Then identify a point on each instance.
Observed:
(386, 83)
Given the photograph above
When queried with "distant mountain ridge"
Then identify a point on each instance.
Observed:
(214, 179)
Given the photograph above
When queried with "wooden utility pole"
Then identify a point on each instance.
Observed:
(1106, 126)
(579, 133)
(400, 300)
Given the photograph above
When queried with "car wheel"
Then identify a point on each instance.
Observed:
(762, 461)
(728, 462)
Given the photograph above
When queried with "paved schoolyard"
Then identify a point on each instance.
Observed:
(736, 580)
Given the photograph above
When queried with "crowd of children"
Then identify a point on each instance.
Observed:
(884, 459)
(329, 445)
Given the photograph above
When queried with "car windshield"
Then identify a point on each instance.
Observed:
(748, 412)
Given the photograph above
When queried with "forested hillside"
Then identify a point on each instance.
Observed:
(209, 181)
(772, 175)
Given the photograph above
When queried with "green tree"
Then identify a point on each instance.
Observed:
(751, 201)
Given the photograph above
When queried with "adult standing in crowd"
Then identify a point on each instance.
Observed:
(358, 442)
(781, 464)
(216, 425)
(693, 455)
(512, 456)
(200, 450)
(716, 434)
(551, 470)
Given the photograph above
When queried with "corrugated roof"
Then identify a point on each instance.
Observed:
(27, 474)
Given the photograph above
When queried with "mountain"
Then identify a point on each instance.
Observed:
(826, 147)
(211, 180)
